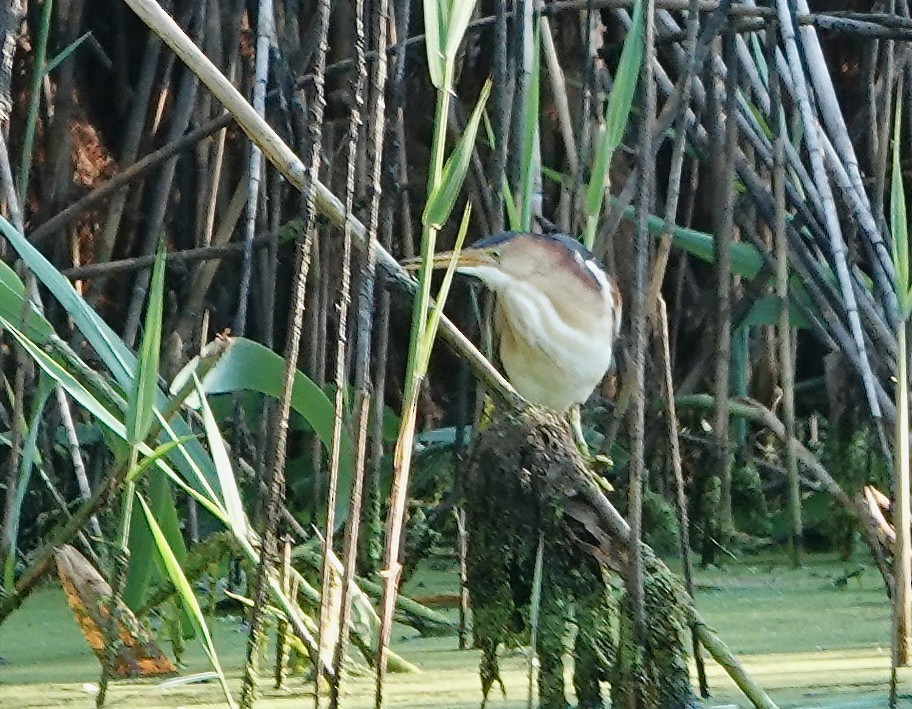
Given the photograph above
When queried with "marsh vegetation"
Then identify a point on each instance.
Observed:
(226, 406)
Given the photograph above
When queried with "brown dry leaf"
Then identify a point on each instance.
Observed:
(89, 597)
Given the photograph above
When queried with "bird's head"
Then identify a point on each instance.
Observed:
(544, 262)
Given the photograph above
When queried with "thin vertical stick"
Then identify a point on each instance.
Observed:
(354, 131)
(725, 191)
(281, 648)
(562, 103)
(638, 315)
(786, 362)
(276, 483)
(134, 130)
(902, 566)
(902, 551)
(502, 104)
(534, 615)
(674, 446)
(265, 35)
(180, 118)
(462, 543)
(79, 469)
(318, 302)
(590, 20)
(677, 159)
(463, 387)
(365, 325)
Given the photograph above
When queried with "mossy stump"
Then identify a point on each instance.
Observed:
(526, 480)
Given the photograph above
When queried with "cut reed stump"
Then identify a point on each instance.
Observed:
(89, 597)
(526, 478)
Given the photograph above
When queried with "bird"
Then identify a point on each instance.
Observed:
(557, 313)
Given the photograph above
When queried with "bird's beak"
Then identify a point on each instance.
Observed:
(467, 258)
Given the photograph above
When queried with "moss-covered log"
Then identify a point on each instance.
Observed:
(526, 478)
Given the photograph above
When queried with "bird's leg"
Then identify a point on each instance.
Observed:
(576, 426)
(597, 463)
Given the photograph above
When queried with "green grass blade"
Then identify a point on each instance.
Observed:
(188, 598)
(31, 123)
(200, 482)
(209, 500)
(512, 213)
(898, 222)
(65, 53)
(74, 388)
(437, 311)
(141, 403)
(27, 462)
(616, 114)
(109, 347)
(440, 203)
(457, 23)
(12, 300)
(434, 32)
(159, 453)
(231, 495)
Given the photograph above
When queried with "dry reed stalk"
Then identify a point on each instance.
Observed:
(638, 318)
(363, 343)
(674, 448)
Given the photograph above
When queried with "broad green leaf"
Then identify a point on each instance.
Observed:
(616, 114)
(899, 224)
(141, 405)
(440, 203)
(231, 495)
(249, 366)
(188, 598)
(746, 260)
(141, 543)
(142, 562)
(434, 32)
(765, 311)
